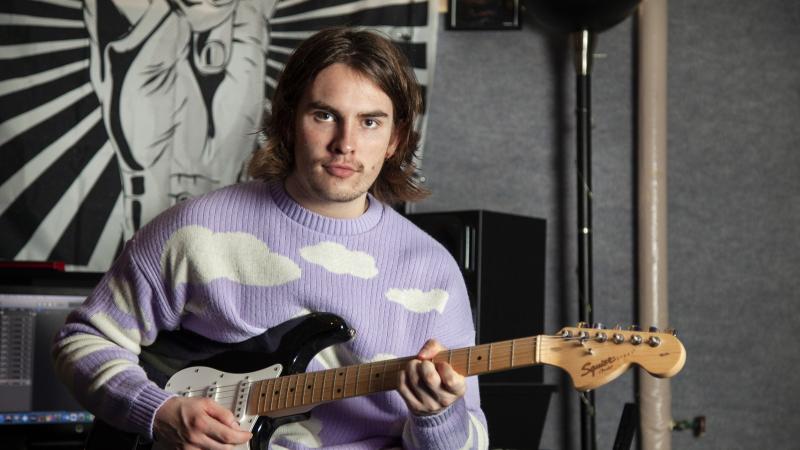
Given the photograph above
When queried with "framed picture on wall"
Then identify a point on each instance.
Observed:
(483, 15)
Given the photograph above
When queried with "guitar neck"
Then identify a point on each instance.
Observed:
(306, 390)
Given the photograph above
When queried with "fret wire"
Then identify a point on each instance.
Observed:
(343, 374)
(301, 387)
(261, 396)
(348, 373)
(274, 394)
(344, 382)
(513, 344)
(369, 382)
(291, 390)
(313, 391)
(358, 377)
(285, 391)
(332, 373)
(490, 357)
(333, 383)
(469, 360)
(383, 382)
(324, 380)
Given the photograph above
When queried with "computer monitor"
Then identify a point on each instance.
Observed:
(34, 404)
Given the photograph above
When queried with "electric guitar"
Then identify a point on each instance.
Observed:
(263, 380)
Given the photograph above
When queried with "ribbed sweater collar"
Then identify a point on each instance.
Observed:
(323, 224)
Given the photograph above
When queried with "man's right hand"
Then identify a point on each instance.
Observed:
(196, 423)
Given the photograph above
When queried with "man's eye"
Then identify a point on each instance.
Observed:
(323, 115)
(371, 123)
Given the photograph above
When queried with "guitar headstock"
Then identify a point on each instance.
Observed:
(595, 356)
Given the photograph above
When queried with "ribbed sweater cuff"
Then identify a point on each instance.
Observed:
(447, 429)
(145, 406)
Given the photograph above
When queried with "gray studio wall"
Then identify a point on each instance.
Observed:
(501, 137)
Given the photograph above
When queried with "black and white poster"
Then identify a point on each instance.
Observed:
(113, 110)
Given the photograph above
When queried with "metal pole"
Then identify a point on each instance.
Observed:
(654, 394)
(584, 48)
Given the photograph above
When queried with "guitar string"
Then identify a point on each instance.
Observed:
(499, 346)
(496, 347)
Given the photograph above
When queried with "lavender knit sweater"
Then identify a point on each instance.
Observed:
(238, 261)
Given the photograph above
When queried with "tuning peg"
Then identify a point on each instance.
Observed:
(598, 326)
(618, 338)
(583, 325)
(653, 329)
(636, 339)
(566, 334)
(671, 331)
(634, 328)
(601, 337)
(617, 327)
(654, 341)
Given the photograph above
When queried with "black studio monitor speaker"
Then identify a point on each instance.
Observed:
(502, 259)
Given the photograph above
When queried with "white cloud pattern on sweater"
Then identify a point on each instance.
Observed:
(195, 254)
(418, 301)
(337, 258)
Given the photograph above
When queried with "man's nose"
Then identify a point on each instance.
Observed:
(345, 140)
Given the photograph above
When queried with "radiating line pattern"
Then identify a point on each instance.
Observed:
(60, 185)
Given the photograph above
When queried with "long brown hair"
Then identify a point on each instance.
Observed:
(378, 59)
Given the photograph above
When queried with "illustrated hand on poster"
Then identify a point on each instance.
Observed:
(182, 90)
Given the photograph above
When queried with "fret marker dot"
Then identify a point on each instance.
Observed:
(480, 357)
(276, 392)
(309, 386)
(338, 391)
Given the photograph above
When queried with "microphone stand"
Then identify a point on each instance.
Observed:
(584, 42)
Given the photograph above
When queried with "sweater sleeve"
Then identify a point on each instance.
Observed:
(462, 425)
(96, 351)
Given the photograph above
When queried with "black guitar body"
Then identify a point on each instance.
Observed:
(292, 344)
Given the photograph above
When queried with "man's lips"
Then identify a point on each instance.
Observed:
(340, 170)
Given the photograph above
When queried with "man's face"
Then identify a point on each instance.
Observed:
(343, 133)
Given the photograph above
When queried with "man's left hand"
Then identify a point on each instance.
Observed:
(429, 387)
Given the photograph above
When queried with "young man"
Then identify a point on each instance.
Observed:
(313, 234)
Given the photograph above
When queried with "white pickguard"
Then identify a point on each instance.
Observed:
(230, 390)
